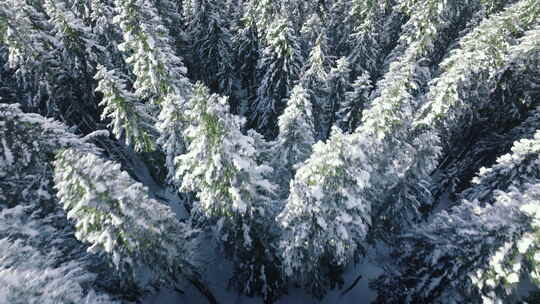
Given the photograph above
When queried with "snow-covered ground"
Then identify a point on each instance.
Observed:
(218, 270)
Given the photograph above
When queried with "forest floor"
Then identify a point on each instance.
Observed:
(218, 270)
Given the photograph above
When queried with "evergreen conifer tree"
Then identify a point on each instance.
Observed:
(128, 119)
(361, 125)
(296, 136)
(160, 74)
(234, 191)
(115, 215)
(338, 85)
(325, 219)
(37, 240)
(349, 113)
(278, 70)
(211, 44)
(314, 79)
(478, 250)
(247, 44)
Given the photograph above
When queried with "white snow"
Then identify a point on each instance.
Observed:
(218, 271)
(8, 155)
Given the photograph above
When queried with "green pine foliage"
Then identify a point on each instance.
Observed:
(116, 216)
(288, 139)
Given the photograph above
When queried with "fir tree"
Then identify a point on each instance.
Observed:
(38, 240)
(375, 26)
(278, 69)
(211, 43)
(457, 106)
(296, 135)
(314, 79)
(421, 95)
(157, 69)
(338, 84)
(234, 191)
(126, 113)
(311, 30)
(265, 12)
(325, 219)
(337, 26)
(247, 44)
(116, 216)
(480, 249)
(30, 275)
(349, 113)
(387, 131)
(445, 104)
(27, 145)
(512, 169)
(52, 50)
(160, 74)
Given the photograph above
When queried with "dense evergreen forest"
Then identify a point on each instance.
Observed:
(288, 139)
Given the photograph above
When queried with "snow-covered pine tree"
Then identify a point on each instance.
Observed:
(147, 42)
(171, 14)
(296, 137)
(314, 79)
(51, 50)
(337, 25)
(158, 70)
(27, 145)
(262, 146)
(447, 99)
(265, 13)
(493, 144)
(128, 120)
(472, 254)
(160, 73)
(467, 93)
(325, 219)
(278, 69)
(171, 125)
(32, 225)
(472, 65)
(385, 134)
(207, 140)
(297, 11)
(100, 15)
(33, 268)
(311, 30)
(338, 85)
(375, 30)
(247, 44)
(349, 113)
(234, 11)
(479, 250)
(234, 192)
(512, 169)
(401, 187)
(211, 45)
(116, 216)
(10, 92)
